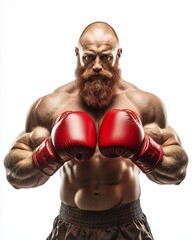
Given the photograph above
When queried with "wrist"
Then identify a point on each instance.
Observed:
(150, 155)
(46, 158)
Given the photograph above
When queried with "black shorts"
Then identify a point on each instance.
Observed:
(126, 222)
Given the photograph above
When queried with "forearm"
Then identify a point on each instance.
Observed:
(21, 171)
(172, 169)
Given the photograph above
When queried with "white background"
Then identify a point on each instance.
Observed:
(37, 45)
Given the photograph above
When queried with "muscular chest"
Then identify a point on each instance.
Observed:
(74, 104)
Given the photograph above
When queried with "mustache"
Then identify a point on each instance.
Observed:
(89, 74)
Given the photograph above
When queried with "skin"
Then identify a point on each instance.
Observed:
(100, 183)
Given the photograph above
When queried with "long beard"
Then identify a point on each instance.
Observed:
(97, 89)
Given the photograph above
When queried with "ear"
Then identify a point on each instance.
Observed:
(76, 51)
(119, 52)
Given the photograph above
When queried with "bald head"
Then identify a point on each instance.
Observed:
(99, 31)
(98, 39)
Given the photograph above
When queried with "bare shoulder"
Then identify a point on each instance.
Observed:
(149, 106)
(44, 110)
(68, 88)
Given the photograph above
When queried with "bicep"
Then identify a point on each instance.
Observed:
(20, 168)
(21, 150)
(172, 169)
(170, 137)
(30, 140)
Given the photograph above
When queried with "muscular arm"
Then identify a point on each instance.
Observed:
(51, 138)
(172, 169)
(20, 168)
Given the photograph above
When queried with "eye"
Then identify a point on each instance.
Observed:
(106, 57)
(88, 58)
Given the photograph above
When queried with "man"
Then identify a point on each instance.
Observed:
(100, 132)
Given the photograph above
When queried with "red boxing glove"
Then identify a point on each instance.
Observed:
(73, 136)
(122, 134)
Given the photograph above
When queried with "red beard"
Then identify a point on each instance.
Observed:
(97, 88)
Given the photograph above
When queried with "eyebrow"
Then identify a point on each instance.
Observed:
(94, 52)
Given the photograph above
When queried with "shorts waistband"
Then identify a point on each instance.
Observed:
(101, 219)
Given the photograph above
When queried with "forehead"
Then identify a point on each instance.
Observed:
(98, 39)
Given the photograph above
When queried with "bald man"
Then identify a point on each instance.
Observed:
(100, 132)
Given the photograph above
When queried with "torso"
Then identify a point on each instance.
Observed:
(100, 183)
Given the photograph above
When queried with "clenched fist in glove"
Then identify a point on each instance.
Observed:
(122, 134)
(73, 136)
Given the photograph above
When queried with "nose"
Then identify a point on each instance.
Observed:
(97, 65)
